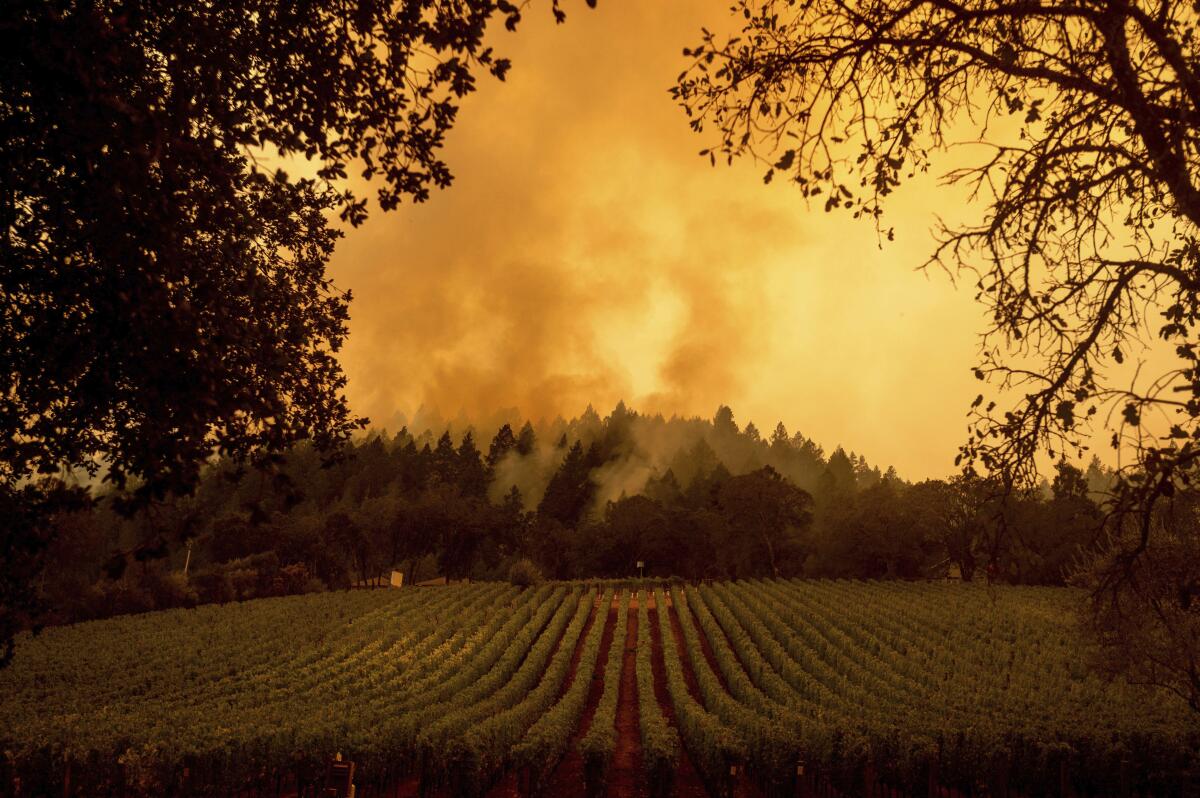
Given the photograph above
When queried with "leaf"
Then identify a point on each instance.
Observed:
(1066, 413)
(1132, 417)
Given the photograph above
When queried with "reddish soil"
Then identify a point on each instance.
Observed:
(626, 777)
(744, 787)
(689, 675)
(687, 782)
(578, 653)
(567, 778)
(705, 646)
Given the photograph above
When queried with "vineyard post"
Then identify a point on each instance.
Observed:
(726, 790)
(801, 790)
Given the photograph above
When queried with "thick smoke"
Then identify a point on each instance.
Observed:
(585, 254)
(529, 473)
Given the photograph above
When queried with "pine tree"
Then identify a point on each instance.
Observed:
(723, 423)
(472, 474)
(779, 438)
(526, 440)
(571, 489)
(502, 444)
(445, 459)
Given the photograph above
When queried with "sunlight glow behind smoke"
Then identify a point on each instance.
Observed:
(586, 254)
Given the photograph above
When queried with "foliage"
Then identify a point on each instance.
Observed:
(548, 737)
(524, 573)
(1152, 636)
(413, 502)
(166, 296)
(456, 685)
(478, 755)
(660, 742)
(597, 746)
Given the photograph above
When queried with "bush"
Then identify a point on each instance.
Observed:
(524, 573)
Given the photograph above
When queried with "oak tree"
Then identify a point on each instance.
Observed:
(1084, 163)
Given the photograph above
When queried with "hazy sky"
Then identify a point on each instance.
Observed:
(587, 254)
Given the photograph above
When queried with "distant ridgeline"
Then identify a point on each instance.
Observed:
(592, 496)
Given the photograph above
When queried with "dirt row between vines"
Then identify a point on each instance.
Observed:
(743, 788)
(687, 779)
(626, 777)
(568, 775)
(508, 786)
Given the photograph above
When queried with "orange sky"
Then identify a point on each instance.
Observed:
(587, 254)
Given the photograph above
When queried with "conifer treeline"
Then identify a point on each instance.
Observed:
(592, 496)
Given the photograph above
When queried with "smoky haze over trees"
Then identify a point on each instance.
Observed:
(588, 497)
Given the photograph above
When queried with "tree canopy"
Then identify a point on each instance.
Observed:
(1082, 118)
(164, 289)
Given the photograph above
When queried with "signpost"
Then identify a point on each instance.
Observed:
(339, 779)
(641, 567)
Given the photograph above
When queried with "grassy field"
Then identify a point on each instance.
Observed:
(761, 687)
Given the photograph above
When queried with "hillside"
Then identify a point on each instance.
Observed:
(789, 685)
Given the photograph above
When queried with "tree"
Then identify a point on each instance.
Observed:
(1048, 539)
(695, 462)
(166, 297)
(472, 473)
(962, 514)
(664, 489)
(1069, 482)
(839, 476)
(723, 423)
(1088, 244)
(445, 459)
(635, 528)
(527, 440)
(501, 445)
(875, 533)
(779, 438)
(571, 490)
(1153, 635)
(769, 512)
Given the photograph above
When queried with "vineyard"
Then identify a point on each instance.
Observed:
(747, 688)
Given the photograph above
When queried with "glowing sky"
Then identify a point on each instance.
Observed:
(587, 254)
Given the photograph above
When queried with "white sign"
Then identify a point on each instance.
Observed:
(397, 579)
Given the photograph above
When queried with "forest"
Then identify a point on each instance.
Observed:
(590, 497)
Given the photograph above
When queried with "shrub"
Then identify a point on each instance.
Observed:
(524, 573)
